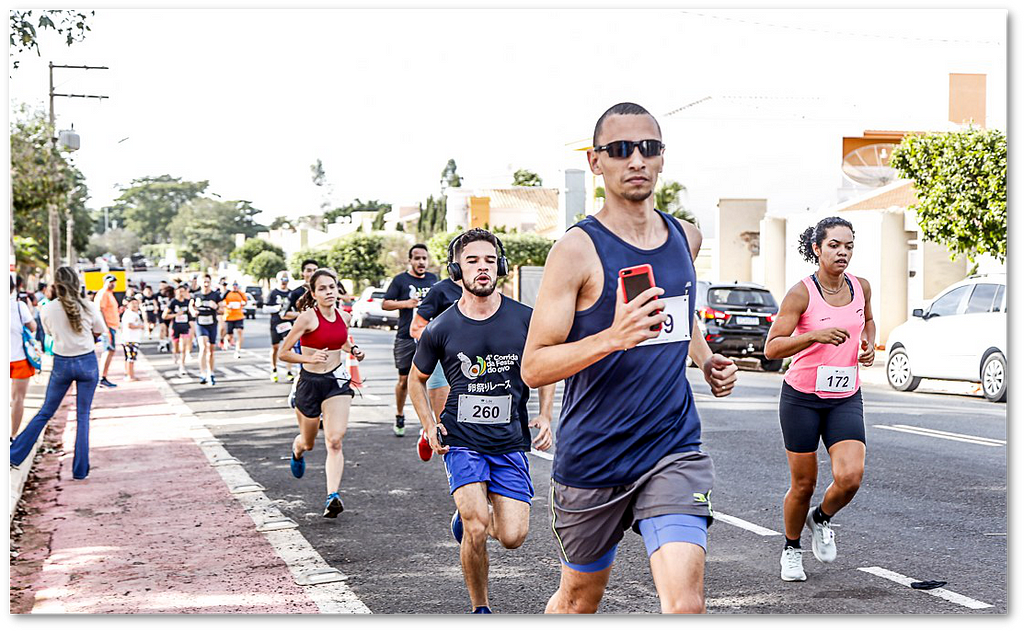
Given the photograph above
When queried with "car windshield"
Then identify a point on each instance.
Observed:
(741, 297)
(377, 295)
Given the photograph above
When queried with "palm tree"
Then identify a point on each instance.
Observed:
(666, 198)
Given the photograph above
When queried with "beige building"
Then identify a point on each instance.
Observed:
(523, 208)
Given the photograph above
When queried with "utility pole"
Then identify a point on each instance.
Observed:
(54, 219)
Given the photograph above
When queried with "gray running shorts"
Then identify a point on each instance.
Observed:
(589, 522)
(404, 350)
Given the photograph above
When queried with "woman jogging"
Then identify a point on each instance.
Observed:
(74, 323)
(323, 387)
(179, 319)
(825, 324)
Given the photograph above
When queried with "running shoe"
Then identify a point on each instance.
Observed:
(423, 447)
(181, 371)
(298, 466)
(457, 526)
(399, 425)
(202, 381)
(792, 563)
(238, 355)
(482, 609)
(273, 376)
(333, 506)
(823, 539)
(107, 383)
(290, 376)
(213, 380)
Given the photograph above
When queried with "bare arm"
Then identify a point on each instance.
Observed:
(416, 327)
(543, 420)
(421, 403)
(867, 337)
(781, 342)
(303, 324)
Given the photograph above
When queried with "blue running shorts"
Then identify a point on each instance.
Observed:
(507, 474)
(437, 379)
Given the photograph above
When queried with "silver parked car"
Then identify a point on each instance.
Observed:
(368, 310)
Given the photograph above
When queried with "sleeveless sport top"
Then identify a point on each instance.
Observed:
(812, 367)
(329, 335)
(623, 414)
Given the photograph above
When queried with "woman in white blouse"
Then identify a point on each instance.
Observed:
(74, 323)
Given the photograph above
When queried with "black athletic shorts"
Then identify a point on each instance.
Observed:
(235, 324)
(806, 418)
(277, 336)
(404, 350)
(152, 316)
(312, 389)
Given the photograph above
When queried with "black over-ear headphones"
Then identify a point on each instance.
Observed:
(455, 270)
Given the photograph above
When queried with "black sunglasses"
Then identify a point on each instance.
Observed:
(624, 148)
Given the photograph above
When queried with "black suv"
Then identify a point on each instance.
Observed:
(735, 318)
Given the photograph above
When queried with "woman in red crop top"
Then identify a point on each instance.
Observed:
(323, 388)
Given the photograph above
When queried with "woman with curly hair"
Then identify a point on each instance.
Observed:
(74, 323)
(825, 324)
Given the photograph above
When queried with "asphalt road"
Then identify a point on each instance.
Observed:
(932, 505)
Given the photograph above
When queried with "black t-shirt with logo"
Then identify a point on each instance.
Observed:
(481, 360)
(403, 287)
(441, 296)
(149, 303)
(206, 307)
(179, 307)
(282, 297)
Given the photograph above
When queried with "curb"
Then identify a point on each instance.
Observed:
(19, 475)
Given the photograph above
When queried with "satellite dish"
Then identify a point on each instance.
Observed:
(869, 165)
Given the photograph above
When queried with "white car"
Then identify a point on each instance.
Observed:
(961, 336)
(368, 310)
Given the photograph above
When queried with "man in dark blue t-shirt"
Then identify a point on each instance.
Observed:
(441, 296)
(404, 294)
(485, 425)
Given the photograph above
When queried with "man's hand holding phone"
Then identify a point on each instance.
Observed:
(634, 319)
(436, 439)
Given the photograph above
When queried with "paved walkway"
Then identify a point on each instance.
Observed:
(154, 528)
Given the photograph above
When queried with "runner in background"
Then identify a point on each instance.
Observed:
(180, 321)
(163, 301)
(204, 307)
(825, 324)
(282, 317)
(404, 294)
(132, 326)
(234, 317)
(150, 307)
(107, 303)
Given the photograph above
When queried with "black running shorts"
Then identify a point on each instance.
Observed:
(313, 389)
(405, 348)
(807, 418)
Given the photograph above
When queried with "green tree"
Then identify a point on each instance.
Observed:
(266, 265)
(150, 204)
(437, 245)
(282, 223)
(41, 177)
(295, 262)
(432, 216)
(449, 177)
(346, 211)
(24, 36)
(252, 248)
(205, 229)
(359, 256)
(666, 199)
(522, 177)
(120, 242)
(525, 248)
(960, 178)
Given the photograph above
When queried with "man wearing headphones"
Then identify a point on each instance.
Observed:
(485, 424)
(404, 293)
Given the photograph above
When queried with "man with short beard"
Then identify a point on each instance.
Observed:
(404, 293)
(479, 342)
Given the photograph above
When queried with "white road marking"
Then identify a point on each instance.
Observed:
(940, 592)
(746, 525)
(542, 454)
(963, 438)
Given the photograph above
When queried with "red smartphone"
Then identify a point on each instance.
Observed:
(636, 280)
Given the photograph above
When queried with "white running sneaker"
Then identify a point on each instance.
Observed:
(823, 539)
(792, 563)
(181, 371)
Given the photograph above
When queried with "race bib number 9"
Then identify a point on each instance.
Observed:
(484, 410)
(205, 320)
(677, 327)
(836, 379)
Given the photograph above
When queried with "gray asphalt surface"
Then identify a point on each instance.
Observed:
(932, 506)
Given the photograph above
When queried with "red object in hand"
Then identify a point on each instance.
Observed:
(636, 280)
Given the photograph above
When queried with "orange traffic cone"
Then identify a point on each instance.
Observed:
(353, 368)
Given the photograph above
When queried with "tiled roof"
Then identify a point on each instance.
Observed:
(900, 194)
(543, 201)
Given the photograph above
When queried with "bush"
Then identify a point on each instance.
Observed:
(252, 248)
(266, 265)
(295, 263)
(359, 256)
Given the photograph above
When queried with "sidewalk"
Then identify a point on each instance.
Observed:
(154, 528)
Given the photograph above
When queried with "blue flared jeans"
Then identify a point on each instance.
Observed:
(84, 371)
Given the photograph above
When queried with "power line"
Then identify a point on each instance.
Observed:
(846, 33)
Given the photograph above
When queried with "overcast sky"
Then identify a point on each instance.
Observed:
(249, 98)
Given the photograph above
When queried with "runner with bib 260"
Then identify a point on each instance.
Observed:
(479, 344)
(629, 450)
(825, 324)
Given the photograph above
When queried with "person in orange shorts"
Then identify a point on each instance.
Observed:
(234, 319)
(21, 370)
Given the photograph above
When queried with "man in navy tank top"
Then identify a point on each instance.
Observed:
(478, 342)
(628, 441)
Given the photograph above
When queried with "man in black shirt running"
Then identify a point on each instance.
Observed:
(479, 342)
(404, 294)
(282, 316)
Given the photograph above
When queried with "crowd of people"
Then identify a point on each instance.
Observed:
(629, 452)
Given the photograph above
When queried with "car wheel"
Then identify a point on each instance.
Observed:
(771, 365)
(993, 377)
(898, 372)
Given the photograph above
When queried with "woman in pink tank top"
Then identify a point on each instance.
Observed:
(825, 325)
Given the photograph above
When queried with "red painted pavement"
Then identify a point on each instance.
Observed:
(153, 529)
